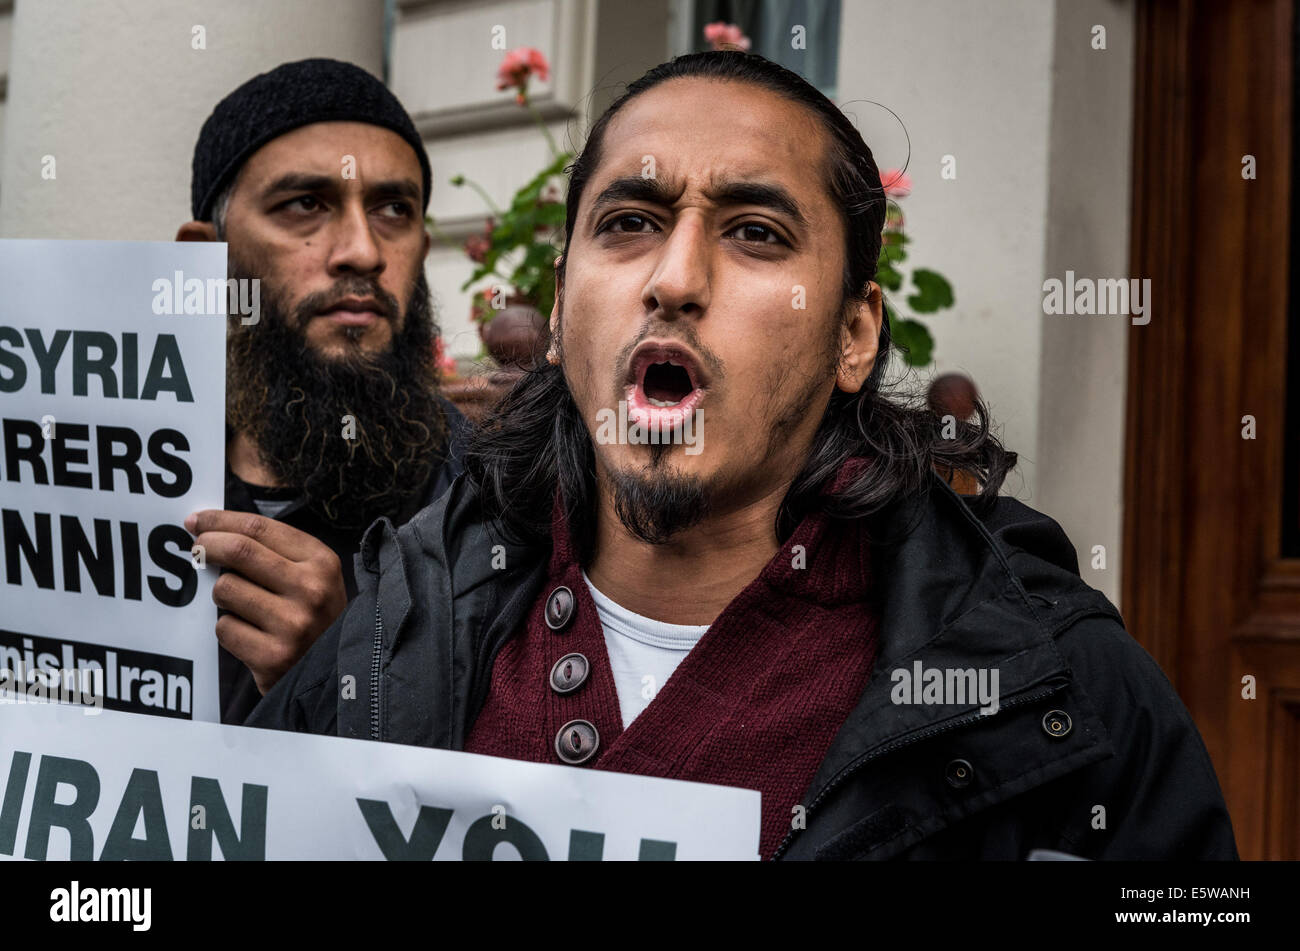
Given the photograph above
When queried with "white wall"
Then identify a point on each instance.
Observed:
(6, 32)
(444, 71)
(1038, 125)
(116, 93)
(972, 81)
(1084, 359)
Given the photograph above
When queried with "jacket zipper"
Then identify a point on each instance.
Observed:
(374, 674)
(908, 740)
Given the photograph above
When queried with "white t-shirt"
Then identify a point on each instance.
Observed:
(643, 652)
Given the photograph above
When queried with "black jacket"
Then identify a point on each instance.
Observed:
(1117, 771)
(239, 693)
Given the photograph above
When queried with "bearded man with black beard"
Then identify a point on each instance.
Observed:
(294, 403)
(316, 178)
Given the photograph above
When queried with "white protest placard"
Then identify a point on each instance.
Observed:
(83, 784)
(112, 430)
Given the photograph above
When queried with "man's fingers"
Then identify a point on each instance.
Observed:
(282, 539)
(242, 639)
(262, 654)
(249, 557)
(255, 604)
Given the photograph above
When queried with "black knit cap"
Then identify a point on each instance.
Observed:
(287, 98)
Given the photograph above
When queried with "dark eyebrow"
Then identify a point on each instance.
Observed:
(397, 188)
(304, 182)
(299, 182)
(654, 192)
(757, 193)
(632, 188)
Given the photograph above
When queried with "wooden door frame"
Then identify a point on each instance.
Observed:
(1204, 588)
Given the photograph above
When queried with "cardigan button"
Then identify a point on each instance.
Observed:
(559, 608)
(576, 742)
(569, 673)
(959, 773)
(1057, 724)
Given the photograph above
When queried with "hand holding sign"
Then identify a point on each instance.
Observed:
(283, 588)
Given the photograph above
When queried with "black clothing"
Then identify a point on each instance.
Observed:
(239, 694)
(286, 98)
(1091, 752)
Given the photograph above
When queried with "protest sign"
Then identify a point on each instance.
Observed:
(112, 430)
(124, 786)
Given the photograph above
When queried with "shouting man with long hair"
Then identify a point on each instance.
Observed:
(703, 542)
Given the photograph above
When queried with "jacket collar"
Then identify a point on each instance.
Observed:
(951, 600)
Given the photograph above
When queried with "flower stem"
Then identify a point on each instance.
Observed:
(437, 233)
(487, 199)
(541, 124)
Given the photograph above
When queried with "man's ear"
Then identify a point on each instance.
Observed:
(859, 340)
(559, 289)
(196, 231)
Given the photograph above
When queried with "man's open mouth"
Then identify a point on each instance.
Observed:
(666, 384)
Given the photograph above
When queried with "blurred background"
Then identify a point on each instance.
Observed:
(1026, 141)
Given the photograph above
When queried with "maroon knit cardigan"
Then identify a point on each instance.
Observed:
(755, 704)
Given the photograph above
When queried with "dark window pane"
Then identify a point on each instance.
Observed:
(770, 24)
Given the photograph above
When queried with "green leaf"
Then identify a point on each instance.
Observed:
(891, 258)
(551, 215)
(483, 270)
(535, 276)
(913, 339)
(887, 277)
(933, 292)
(528, 224)
(527, 196)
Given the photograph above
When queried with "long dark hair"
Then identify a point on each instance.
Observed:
(535, 441)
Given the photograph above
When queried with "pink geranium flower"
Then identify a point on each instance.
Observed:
(723, 35)
(896, 183)
(446, 363)
(518, 66)
(478, 245)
